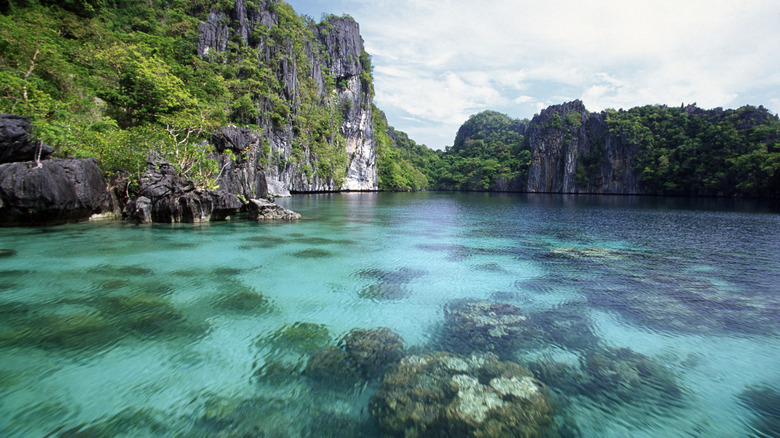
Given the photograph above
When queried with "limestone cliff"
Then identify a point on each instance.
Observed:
(310, 123)
(573, 152)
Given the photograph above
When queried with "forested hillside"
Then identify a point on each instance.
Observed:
(688, 150)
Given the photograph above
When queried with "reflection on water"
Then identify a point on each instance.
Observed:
(436, 314)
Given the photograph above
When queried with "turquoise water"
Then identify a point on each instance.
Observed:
(650, 317)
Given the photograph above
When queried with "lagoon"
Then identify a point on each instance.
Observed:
(642, 316)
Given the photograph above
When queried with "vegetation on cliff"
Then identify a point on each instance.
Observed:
(403, 165)
(489, 149)
(114, 79)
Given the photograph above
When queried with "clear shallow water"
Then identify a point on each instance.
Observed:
(644, 316)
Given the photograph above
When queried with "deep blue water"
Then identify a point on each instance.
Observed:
(642, 316)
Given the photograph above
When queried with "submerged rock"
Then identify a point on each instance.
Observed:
(128, 422)
(83, 330)
(486, 326)
(686, 303)
(333, 366)
(626, 374)
(614, 375)
(589, 253)
(442, 394)
(244, 300)
(373, 350)
(385, 291)
(305, 337)
(567, 327)
(312, 253)
(148, 315)
(386, 284)
(96, 322)
(361, 353)
(764, 401)
(286, 352)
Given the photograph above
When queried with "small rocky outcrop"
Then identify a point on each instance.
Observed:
(166, 197)
(58, 191)
(263, 209)
(36, 190)
(244, 175)
(441, 394)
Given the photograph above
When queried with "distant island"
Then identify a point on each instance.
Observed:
(649, 150)
(239, 100)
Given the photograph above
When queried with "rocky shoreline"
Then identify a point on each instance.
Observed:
(36, 189)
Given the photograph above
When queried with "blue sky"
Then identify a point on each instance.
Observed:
(438, 62)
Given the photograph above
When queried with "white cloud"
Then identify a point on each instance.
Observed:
(439, 62)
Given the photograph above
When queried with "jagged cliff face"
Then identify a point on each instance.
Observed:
(573, 152)
(321, 75)
(555, 136)
(342, 41)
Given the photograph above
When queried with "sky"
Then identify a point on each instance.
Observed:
(438, 62)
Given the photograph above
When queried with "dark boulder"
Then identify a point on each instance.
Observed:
(263, 209)
(236, 139)
(170, 198)
(58, 191)
(139, 210)
(243, 174)
(16, 142)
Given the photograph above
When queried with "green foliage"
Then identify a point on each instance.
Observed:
(553, 122)
(574, 120)
(142, 86)
(488, 147)
(401, 162)
(92, 92)
(366, 78)
(490, 126)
